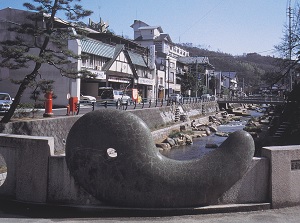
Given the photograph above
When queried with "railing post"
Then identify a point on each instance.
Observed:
(126, 105)
(116, 104)
(77, 108)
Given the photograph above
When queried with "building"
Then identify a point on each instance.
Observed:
(166, 54)
(113, 60)
(117, 62)
(229, 81)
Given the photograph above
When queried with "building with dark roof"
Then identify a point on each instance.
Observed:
(115, 62)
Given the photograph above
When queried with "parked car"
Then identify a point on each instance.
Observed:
(175, 97)
(114, 96)
(86, 99)
(121, 96)
(5, 102)
(206, 97)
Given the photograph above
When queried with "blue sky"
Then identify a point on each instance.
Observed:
(230, 26)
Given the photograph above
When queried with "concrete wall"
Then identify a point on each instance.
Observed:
(284, 175)
(253, 187)
(26, 158)
(35, 174)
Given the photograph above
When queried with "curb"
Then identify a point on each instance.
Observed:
(43, 210)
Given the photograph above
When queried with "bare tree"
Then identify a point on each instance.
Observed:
(289, 48)
(41, 33)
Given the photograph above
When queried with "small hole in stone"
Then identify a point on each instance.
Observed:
(64, 141)
(3, 170)
(112, 153)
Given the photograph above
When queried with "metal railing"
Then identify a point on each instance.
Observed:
(253, 99)
(143, 103)
(161, 102)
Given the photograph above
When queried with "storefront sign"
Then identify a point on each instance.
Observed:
(119, 80)
(99, 74)
(145, 81)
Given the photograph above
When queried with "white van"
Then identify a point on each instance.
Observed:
(113, 96)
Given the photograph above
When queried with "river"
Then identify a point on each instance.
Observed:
(197, 149)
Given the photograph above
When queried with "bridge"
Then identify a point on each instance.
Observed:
(253, 100)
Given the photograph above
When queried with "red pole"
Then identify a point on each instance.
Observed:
(48, 105)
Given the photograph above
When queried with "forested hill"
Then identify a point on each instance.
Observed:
(251, 67)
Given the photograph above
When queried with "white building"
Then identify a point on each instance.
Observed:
(166, 54)
(229, 81)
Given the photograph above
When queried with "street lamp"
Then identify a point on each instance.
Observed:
(164, 67)
(160, 67)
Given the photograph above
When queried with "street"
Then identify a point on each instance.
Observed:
(88, 108)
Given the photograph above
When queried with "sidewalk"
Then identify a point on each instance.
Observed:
(14, 213)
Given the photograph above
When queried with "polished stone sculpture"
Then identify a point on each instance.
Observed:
(112, 155)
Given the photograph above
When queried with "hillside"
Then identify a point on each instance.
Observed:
(252, 68)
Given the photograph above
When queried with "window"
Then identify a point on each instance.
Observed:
(83, 62)
(91, 61)
(171, 77)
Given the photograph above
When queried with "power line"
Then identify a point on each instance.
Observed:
(204, 16)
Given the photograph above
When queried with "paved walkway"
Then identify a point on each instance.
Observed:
(17, 214)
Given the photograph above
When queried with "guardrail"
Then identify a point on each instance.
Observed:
(160, 102)
(144, 103)
(253, 99)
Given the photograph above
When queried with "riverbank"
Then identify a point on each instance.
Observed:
(213, 132)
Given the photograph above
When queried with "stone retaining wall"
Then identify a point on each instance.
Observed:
(161, 134)
(59, 127)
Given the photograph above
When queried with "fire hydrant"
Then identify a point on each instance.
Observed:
(48, 104)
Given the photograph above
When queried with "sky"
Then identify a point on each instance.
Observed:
(229, 26)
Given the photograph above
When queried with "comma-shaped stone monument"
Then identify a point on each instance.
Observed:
(112, 155)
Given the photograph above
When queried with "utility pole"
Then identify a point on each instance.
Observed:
(197, 80)
(290, 44)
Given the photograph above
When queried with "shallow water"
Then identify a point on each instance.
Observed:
(198, 148)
